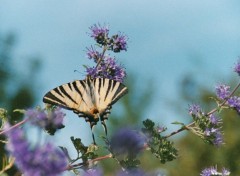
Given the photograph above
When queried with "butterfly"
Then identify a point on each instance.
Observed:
(91, 99)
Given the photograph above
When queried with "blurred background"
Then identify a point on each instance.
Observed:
(177, 52)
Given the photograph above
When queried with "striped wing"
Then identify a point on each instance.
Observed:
(84, 96)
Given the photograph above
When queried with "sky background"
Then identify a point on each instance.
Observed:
(167, 40)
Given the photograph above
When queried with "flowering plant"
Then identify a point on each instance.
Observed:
(126, 144)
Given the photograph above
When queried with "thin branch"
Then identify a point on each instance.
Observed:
(70, 167)
(101, 58)
(14, 126)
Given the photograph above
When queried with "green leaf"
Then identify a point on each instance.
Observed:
(22, 111)
(79, 145)
(130, 163)
(178, 123)
(148, 124)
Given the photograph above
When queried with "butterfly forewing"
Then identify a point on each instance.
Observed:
(73, 95)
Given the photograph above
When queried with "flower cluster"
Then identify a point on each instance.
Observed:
(116, 43)
(107, 66)
(208, 127)
(222, 91)
(237, 68)
(127, 142)
(38, 160)
(212, 171)
(51, 121)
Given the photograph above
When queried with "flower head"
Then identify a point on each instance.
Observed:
(38, 160)
(107, 69)
(212, 171)
(118, 43)
(237, 67)
(194, 110)
(214, 136)
(100, 33)
(92, 53)
(234, 102)
(127, 142)
(222, 91)
(208, 127)
(50, 121)
(214, 119)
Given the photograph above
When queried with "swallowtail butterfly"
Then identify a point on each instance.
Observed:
(89, 98)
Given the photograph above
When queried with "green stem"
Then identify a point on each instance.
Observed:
(70, 167)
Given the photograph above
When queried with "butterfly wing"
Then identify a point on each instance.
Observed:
(107, 92)
(77, 96)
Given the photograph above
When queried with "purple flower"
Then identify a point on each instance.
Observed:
(214, 120)
(113, 70)
(214, 135)
(37, 117)
(107, 69)
(119, 42)
(50, 121)
(127, 142)
(222, 91)
(99, 33)
(237, 67)
(234, 102)
(92, 53)
(160, 129)
(194, 110)
(211, 171)
(34, 161)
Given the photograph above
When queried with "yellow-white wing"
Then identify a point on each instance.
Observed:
(84, 96)
(77, 96)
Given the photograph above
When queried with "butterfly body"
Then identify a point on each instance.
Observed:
(91, 99)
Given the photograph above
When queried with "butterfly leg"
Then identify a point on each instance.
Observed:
(92, 128)
(104, 126)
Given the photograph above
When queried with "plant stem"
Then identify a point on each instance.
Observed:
(101, 58)
(14, 126)
(70, 167)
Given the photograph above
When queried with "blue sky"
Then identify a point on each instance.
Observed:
(167, 39)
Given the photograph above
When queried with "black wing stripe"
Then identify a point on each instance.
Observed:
(58, 92)
(108, 88)
(70, 86)
(77, 89)
(122, 90)
(66, 94)
(52, 99)
(99, 85)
